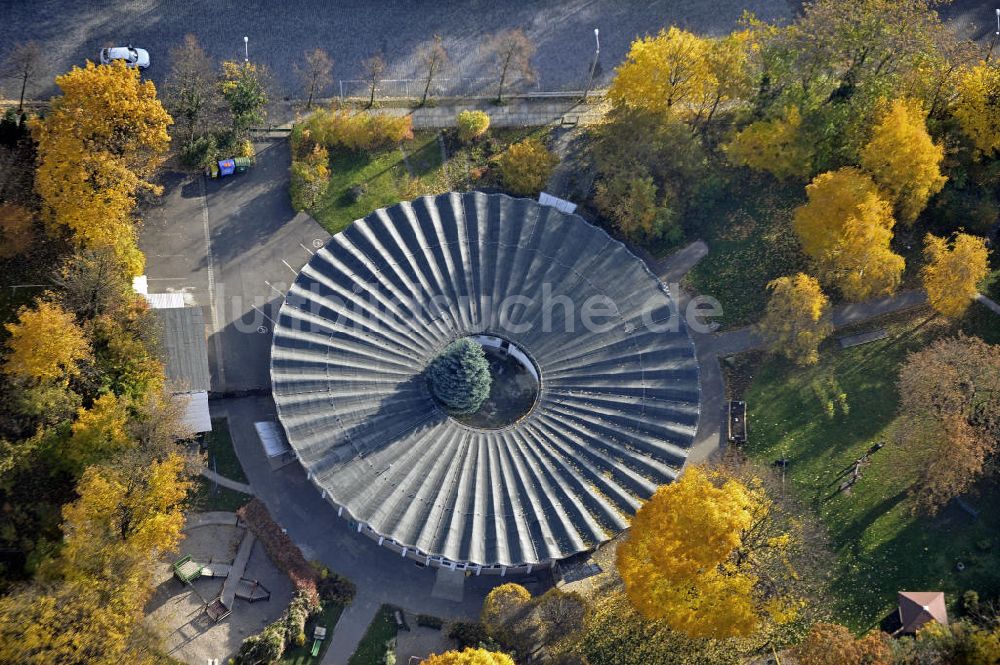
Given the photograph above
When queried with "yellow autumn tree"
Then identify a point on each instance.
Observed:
(77, 622)
(45, 345)
(99, 145)
(689, 558)
(775, 146)
(903, 159)
(469, 656)
(503, 604)
(127, 513)
(99, 431)
(977, 106)
(846, 228)
(797, 318)
(951, 274)
(666, 72)
(727, 68)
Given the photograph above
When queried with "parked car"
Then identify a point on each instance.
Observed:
(133, 57)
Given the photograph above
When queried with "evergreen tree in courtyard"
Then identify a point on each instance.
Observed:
(460, 377)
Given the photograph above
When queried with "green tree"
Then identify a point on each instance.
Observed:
(244, 86)
(460, 377)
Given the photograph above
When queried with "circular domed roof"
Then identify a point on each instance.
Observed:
(618, 399)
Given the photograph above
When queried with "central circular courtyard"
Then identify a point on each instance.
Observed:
(593, 398)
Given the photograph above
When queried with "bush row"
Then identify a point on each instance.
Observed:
(282, 550)
(353, 131)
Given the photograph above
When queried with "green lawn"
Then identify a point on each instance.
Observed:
(414, 169)
(747, 226)
(882, 547)
(206, 496)
(221, 455)
(302, 655)
(376, 642)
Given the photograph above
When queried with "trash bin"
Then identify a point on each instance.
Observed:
(242, 164)
(227, 167)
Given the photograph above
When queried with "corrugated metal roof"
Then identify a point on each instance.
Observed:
(165, 300)
(616, 412)
(185, 350)
(196, 415)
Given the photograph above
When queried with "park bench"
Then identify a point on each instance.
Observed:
(401, 621)
(737, 422)
(318, 636)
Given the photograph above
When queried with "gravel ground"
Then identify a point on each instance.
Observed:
(352, 30)
(175, 611)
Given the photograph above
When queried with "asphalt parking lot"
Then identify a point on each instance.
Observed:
(233, 246)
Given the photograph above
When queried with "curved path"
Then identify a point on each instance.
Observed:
(712, 346)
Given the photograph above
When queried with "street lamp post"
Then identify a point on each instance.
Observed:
(246, 49)
(593, 65)
(996, 35)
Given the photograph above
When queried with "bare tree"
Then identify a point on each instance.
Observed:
(24, 64)
(512, 52)
(374, 68)
(315, 74)
(434, 58)
(190, 92)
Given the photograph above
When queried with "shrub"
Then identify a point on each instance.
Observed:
(472, 125)
(460, 377)
(264, 647)
(334, 588)
(430, 621)
(526, 167)
(201, 152)
(468, 634)
(283, 552)
(358, 131)
(310, 177)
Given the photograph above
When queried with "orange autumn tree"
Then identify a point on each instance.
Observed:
(97, 149)
(832, 644)
(846, 228)
(694, 559)
(951, 275)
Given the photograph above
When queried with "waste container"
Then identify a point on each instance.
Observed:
(242, 164)
(227, 167)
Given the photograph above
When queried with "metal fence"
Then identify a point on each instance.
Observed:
(456, 86)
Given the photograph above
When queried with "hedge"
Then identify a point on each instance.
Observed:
(282, 550)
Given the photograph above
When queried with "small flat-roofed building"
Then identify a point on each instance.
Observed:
(185, 353)
(276, 447)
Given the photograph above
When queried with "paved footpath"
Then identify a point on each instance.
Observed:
(710, 347)
(379, 574)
